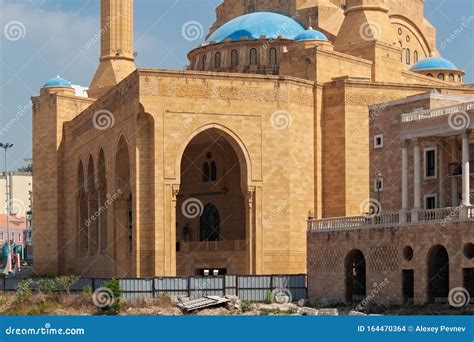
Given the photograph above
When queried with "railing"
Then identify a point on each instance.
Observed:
(439, 215)
(381, 220)
(212, 246)
(393, 219)
(436, 112)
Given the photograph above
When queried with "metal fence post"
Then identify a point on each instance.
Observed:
(153, 289)
(188, 284)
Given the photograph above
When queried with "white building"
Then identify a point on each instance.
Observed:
(21, 184)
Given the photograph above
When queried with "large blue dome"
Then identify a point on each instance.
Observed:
(255, 25)
(433, 63)
(311, 35)
(57, 82)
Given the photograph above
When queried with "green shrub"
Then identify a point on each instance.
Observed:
(269, 297)
(246, 306)
(115, 304)
(64, 283)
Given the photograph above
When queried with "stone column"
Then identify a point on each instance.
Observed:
(416, 180)
(454, 182)
(250, 230)
(404, 181)
(442, 176)
(465, 170)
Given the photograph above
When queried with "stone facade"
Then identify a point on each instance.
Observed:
(114, 172)
(388, 254)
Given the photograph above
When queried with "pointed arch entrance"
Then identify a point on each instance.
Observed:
(210, 223)
(214, 212)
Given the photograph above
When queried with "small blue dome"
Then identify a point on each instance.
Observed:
(57, 82)
(255, 25)
(311, 35)
(433, 63)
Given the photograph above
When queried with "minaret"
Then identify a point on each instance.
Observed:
(367, 32)
(116, 50)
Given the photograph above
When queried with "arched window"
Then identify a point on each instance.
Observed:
(234, 58)
(217, 60)
(253, 56)
(213, 171)
(429, 75)
(210, 223)
(206, 173)
(459, 78)
(408, 56)
(415, 57)
(451, 77)
(273, 57)
(441, 77)
(203, 62)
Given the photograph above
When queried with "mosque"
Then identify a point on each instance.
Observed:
(327, 137)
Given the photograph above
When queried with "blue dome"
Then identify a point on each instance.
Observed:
(255, 25)
(57, 82)
(433, 63)
(311, 35)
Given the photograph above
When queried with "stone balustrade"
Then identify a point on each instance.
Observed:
(393, 219)
(436, 112)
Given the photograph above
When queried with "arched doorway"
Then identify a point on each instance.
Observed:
(212, 206)
(124, 232)
(438, 274)
(356, 288)
(210, 223)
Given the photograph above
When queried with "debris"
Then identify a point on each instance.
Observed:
(203, 302)
(328, 312)
(308, 311)
(277, 307)
(356, 313)
(234, 303)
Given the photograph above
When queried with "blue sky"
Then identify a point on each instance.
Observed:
(56, 32)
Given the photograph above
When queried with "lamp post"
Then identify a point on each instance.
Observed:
(8, 265)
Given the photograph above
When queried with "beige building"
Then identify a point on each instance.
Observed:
(162, 172)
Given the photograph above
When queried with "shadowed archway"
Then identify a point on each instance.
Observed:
(356, 287)
(212, 206)
(438, 274)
